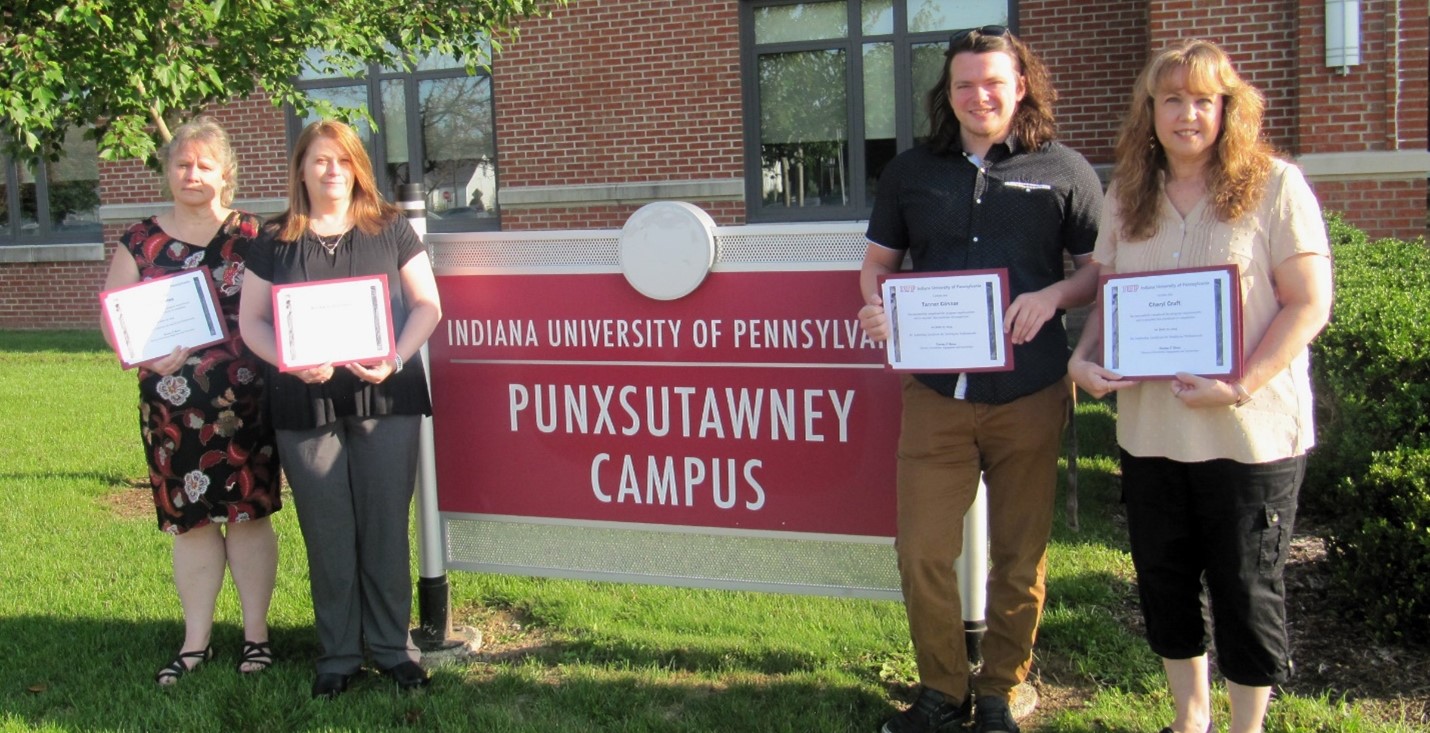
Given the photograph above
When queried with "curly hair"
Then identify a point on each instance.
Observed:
(370, 210)
(1240, 161)
(1033, 120)
(205, 132)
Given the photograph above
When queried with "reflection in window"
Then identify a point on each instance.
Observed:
(459, 161)
(948, 15)
(801, 22)
(880, 133)
(435, 127)
(74, 187)
(803, 128)
(836, 89)
(353, 96)
(927, 68)
(52, 201)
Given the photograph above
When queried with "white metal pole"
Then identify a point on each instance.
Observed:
(972, 567)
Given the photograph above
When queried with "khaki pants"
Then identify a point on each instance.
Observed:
(944, 444)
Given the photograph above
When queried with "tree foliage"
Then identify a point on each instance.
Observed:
(130, 68)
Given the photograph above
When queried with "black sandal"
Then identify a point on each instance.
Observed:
(258, 653)
(180, 666)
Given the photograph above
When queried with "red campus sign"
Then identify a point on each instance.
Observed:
(753, 403)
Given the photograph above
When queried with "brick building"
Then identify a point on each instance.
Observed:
(758, 111)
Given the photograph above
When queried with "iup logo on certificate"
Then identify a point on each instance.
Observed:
(947, 322)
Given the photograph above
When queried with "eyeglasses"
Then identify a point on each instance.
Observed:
(958, 37)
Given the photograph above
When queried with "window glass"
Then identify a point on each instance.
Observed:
(801, 22)
(880, 134)
(4, 198)
(315, 66)
(394, 135)
(803, 128)
(947, 15)
(877, 17)
(74, 187)
(354, 96)
(927, 68)
(459, 160)
(29, 202)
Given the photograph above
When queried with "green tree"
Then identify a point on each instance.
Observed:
(133, 67)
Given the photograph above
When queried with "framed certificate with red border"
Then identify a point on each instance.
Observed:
(1157, 324)
(947, 321)
(333, 322)
(149, 319)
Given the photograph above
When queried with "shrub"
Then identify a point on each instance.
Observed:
(1385, 558)
(1366, 477)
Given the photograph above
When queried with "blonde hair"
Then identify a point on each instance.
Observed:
(1240, 162)
(206, 132)
(370, 211)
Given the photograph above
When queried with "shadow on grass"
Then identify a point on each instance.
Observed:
(97, 675)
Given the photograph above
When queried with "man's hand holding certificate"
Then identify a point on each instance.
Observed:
(333, 322)
(149, 319)
(948, 322)
(1155, 325)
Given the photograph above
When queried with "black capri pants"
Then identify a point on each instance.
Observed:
(1228, 524)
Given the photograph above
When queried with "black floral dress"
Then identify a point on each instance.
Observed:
(211, 450)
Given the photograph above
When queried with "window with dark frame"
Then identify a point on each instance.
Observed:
(437, 116)
(52, 202)
(834, 90)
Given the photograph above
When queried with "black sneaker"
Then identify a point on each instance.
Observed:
(992, 715)
(930, 713)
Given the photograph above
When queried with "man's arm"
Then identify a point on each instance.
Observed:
(1029, 311)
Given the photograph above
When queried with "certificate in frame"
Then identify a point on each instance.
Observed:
(340, 321)
(149, 319)
(947, 321)
(1156, 324)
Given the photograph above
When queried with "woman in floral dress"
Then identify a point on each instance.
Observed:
(212, 459)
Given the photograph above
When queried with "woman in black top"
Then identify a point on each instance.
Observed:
(348, 435)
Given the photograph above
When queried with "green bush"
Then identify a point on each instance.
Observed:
(1385, 558)
(1366, 478)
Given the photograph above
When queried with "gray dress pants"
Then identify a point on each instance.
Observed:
(352, 483)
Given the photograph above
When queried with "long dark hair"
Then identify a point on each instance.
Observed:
(1032, 121)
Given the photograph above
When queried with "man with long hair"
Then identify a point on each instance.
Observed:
(989, 189)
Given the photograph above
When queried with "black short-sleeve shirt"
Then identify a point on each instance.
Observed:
(1022, 209)
(296, 405)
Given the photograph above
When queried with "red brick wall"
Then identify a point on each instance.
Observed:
(66, 292)
(53, 294)
(606, 92)
(1380, 103)
(1380, 208)
(1094, 52)
(604, 217)
(256, 132)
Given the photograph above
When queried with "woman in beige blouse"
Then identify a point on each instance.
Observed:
(1211, 468)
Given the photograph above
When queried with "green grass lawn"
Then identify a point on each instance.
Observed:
(88, 613)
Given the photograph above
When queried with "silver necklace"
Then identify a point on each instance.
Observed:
(331, 247)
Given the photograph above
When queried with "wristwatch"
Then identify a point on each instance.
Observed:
(396, 363)
(1242, 396)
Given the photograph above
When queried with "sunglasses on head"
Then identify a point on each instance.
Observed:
(958, 37)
